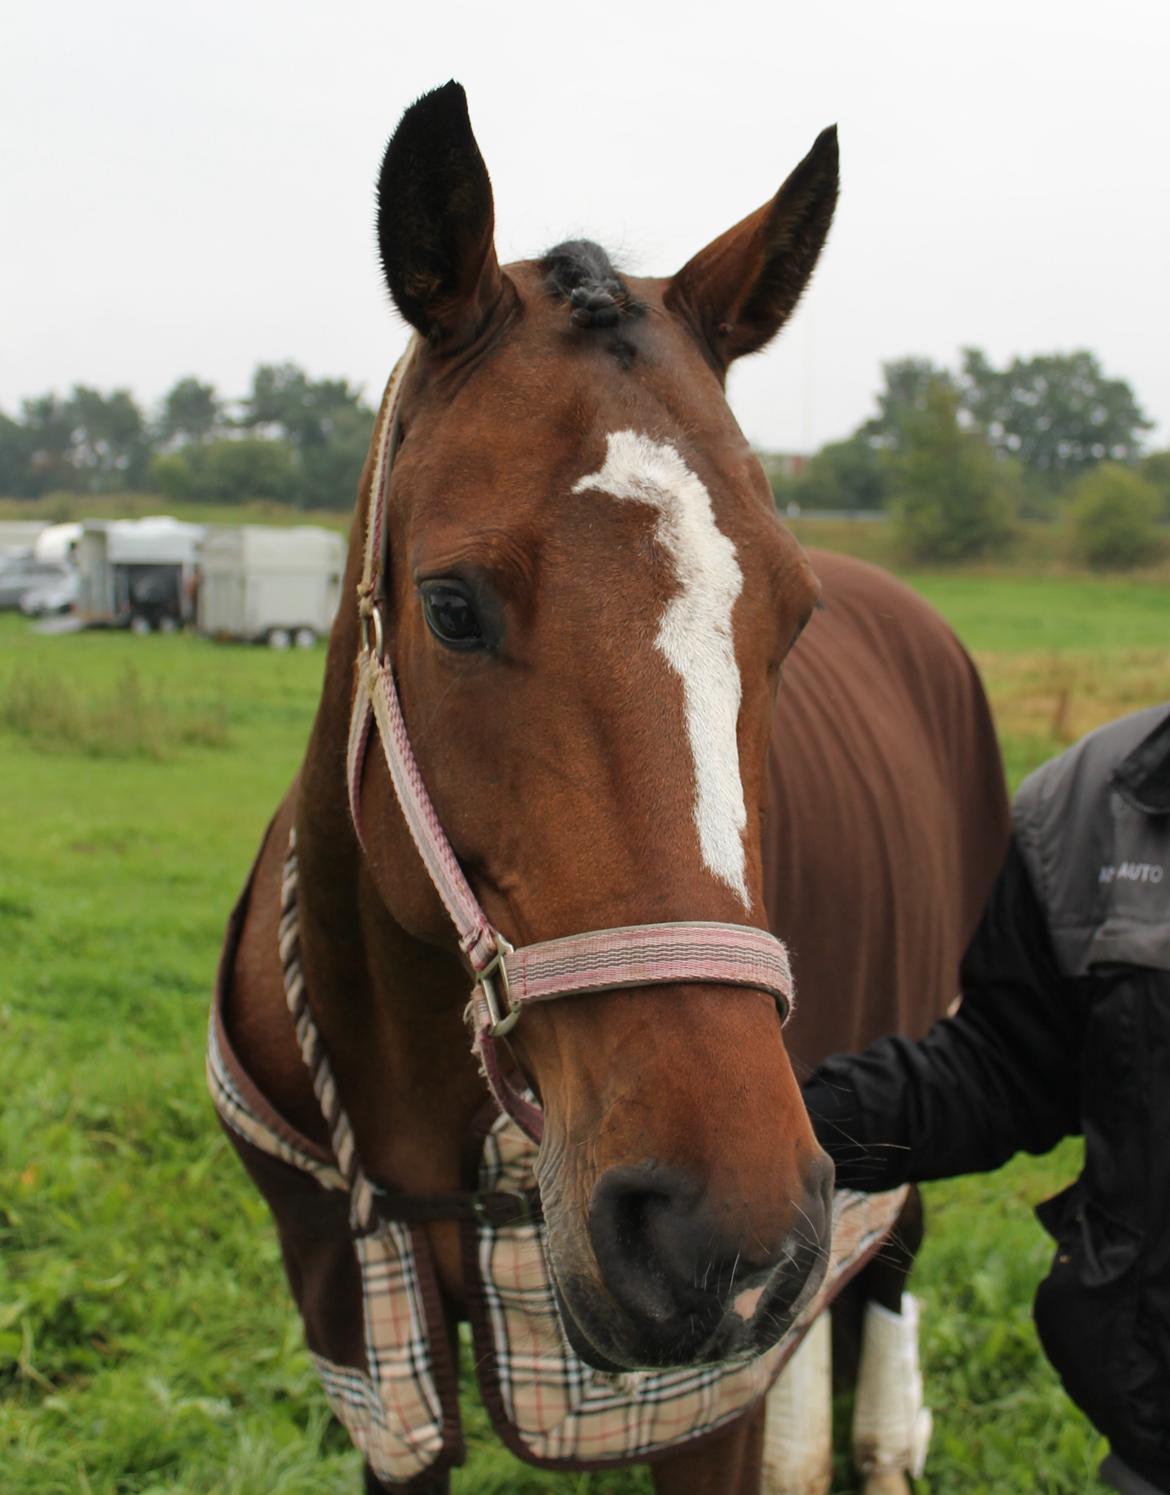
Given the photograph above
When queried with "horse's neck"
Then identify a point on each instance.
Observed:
(389, 1007)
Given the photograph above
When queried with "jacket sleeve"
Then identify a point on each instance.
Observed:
(998, 1077)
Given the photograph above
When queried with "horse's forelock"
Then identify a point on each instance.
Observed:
(581, 274)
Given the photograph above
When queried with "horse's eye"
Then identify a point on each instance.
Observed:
(450, 615)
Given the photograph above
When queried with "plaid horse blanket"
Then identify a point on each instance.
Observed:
(367, 1293)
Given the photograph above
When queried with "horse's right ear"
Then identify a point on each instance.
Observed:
(436, 222)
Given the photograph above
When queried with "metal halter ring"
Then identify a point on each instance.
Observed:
(378, 647)
(501, 1021)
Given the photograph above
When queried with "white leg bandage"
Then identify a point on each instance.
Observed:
(798, 1433)
(891, 1427)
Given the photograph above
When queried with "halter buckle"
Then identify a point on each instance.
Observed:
(503, 1020)
(501, 1208)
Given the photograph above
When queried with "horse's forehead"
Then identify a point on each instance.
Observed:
(538, 404)
(536, 412)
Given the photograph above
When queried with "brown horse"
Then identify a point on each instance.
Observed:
(587, 603)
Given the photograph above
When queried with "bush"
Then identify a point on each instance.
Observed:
(1112, 519)
(228, 471)
(848, 475)
(1155, 469)
(235, 471)
(171, 475)
(330, 470)
(953, 498)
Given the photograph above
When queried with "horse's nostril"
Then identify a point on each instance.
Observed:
(680, 1278)
(661, 1254)
(641, 1221)
(631, 1218)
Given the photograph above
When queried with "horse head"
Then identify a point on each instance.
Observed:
(588, 602)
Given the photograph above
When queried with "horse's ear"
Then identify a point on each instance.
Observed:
(436, 221)
(741, 289)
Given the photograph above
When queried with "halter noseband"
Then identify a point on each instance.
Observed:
(509, 979)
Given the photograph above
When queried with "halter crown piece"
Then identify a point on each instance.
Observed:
(508, 979)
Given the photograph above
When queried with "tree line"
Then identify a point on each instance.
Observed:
(957, 457)
(299, 440)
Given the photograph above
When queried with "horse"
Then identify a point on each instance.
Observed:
(574, 604)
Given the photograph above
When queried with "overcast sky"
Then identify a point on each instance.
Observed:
(188, 189)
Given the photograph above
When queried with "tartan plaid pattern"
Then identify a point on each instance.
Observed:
(391, 1408)
(558, 1410)
(563, 1410)
(392, 1411)
(236, 1114)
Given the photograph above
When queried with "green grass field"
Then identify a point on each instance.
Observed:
(147, 1341)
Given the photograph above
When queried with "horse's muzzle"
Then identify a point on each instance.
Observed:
(677, 1285)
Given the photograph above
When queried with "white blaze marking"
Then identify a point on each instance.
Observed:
(695, 632)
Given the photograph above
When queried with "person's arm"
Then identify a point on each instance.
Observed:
(999, 1077)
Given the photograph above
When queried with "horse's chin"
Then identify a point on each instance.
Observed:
(581, 1344)
(734, 1337)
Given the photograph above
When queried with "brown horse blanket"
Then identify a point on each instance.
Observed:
(889, 815)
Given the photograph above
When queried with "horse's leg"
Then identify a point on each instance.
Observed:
(728, 1464)
(891, 1426)
(798, 1441)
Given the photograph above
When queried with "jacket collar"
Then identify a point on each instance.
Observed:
(1143, 778)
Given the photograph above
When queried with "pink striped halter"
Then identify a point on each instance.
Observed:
(506, 980)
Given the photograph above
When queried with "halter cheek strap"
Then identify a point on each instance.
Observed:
(507, 979)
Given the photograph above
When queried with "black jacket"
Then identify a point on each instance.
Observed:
(1064, 1027)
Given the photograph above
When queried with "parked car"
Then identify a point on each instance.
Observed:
(22, 574)
(56, 595)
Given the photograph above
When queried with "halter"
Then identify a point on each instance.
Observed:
(508, 979)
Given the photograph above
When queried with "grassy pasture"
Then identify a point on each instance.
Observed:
(147, 1342)
(1037, 548)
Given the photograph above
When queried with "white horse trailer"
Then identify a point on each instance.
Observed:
(19, 536)
(56, 542)
(279, 586)
(138, 573)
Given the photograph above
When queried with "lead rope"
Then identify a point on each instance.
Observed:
(363, 1215)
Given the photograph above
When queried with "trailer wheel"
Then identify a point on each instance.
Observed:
(279, 638)
(140, 625)
(168, 625)
(304, 638)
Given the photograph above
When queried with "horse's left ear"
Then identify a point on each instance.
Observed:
(436, 222)
(741, 289)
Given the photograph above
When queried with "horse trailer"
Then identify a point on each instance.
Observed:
(137, 573)
(261, 584)
(18, 537)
